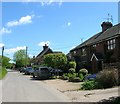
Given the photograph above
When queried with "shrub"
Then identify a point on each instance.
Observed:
(72, 64)
(83, 71)
(77, 79)
(71, 77)
(81, 76)
(88, 85)
(3, 72)
(64, 77)
(54, 60)
(106, 79)
(71, 70)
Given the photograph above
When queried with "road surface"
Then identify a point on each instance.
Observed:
(21, 88)
(0, 91)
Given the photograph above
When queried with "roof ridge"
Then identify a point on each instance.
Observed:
(100, 36)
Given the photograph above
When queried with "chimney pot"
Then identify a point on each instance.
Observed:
(106, 25)
(45, 47)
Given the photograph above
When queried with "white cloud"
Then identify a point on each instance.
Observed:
(12, 50)
(60, 3)
(1, 45)
(69, 24)
(66, 24)
(30, 55)
(28, 0)
(11, 61)
(49, 2)
(23, 20)
(5, 31)
(43, 43)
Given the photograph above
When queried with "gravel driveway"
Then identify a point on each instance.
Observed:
(71, 90)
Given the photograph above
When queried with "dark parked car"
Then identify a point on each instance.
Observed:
(22, 70)
(93, 76)
(56, 72)
(42, 72)
(29, 70)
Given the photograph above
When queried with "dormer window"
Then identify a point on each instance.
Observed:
(74, 52)
(111, 44)
(94, 45)
(83, 51)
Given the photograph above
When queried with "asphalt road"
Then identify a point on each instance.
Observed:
(0, 91)
(21, 88)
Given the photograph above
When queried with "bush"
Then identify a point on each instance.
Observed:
(107, 79)
(88, 85)
(83, 71)
(77, 79)
(71, 77)
(64, 77)
(81, 76)
(72, 64)
(3, 72)
(57, 61)
(71, 70)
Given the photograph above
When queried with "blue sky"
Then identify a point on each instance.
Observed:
(61, 25)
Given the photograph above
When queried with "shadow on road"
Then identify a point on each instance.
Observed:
(111, 100)
(38, 79)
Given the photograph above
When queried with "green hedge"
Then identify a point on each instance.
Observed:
(3, 72)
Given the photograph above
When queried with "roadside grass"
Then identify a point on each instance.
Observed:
(3, 72)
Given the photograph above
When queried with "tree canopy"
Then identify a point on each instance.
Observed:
(21, 59)
(4, 61)
(55, 60)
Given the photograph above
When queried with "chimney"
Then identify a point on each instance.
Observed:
(45, 47)
(106, 25)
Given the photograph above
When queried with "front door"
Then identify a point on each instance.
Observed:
(94, 65)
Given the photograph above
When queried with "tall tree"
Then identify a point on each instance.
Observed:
(56, 60)
(21, 58)
(4, 61)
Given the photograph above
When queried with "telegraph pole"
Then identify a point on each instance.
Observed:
(26, 55)
(2, 55)
(2, 52)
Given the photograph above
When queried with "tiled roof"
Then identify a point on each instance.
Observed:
(43, 52)
(109, 33)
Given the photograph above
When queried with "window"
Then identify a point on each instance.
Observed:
(111, 44)
(83, 51)
(94, 45)
(74, 52)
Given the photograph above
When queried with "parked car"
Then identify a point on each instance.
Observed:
(56, 72)
(93, 76)
(29, 70)
(42, 72)
(22, 70)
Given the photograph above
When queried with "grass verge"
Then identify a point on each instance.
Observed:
(3, 72)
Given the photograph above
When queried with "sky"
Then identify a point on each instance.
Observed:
(61, 25)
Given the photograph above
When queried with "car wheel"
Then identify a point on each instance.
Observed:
(33, 76)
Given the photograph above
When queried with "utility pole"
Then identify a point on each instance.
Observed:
(26, 55)
(2, 51)
(2, 54)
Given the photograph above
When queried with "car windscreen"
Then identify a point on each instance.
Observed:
(44, 69)
(29, 68)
